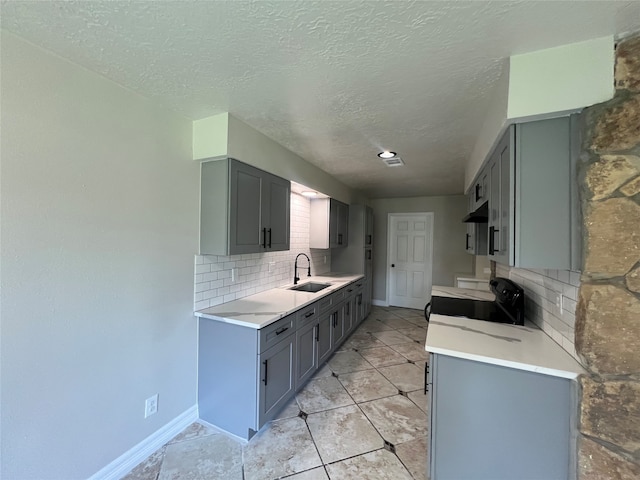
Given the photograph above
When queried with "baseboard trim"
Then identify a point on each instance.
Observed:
(379, 303)
(130, 459)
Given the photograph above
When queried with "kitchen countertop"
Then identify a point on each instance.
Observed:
(521, 347)
(259, 310)
(455, 292)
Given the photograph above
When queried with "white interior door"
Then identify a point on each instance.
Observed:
(410, 259)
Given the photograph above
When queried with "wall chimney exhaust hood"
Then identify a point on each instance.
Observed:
(480, 215)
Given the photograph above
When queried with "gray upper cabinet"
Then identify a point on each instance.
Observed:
(329, 224)
(500, 167)
(243, 209)
(480, 190)
(533, 212)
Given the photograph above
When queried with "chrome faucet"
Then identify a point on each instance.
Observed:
(295, 268)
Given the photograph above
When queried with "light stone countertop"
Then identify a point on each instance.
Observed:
(514, 346)
(259, 310)
(455, 292)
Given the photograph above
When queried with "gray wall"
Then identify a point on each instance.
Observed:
(449, 256)
(99, 209)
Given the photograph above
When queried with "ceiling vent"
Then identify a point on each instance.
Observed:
(393, 162)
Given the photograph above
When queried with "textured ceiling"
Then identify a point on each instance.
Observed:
(333, 81)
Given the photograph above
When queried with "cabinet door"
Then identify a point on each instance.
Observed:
(277, 378)
(470, 240)
(368, 227)
(324, 338)
(347, 314)
(504, 236)
(494, 207)
(337, 327)
(338, 224)
(343, 225)
(276, 212)
(307, 353)
(246, 194)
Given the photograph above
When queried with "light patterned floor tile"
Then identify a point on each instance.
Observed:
(382, 356)
(396, 418)
(372, 325)
(397, 323)
(415, 333)
(345, 362)
(412, 351)
(282, 448)
(391, 337)
(420, 399)
(360, 341)
(413, 455)
(291, 409)
(322, 394)
(212, 456)
(378, 465)
(367, 385)
(195, 430)
(342, 433)
(407, 376)
(313, 474)
(149, 468)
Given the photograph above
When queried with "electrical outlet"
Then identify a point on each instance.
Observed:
(234, 274)
(559, 302)
(486, 270)
(325, 259)
(272, 266)
(151, 406)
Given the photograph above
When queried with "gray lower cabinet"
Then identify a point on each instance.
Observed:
(307, 344)
(246, 376)
(488, 422)
(324, 337)
(338, 331)
(277, 380)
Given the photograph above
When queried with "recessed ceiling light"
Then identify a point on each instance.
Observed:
(387, 154)
(309, 193)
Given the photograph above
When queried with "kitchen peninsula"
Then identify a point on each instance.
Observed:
(502, 398)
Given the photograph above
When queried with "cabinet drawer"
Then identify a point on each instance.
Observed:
(325, 304)
(272, 334)
(339, 296)
(307, 314)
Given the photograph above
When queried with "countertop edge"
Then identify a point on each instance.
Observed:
(505, 363)
(313, 298)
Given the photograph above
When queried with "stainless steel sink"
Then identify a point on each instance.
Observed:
(310, 287)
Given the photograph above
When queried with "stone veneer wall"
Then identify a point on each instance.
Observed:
(608, 312)
(213, 284)
(540, 290)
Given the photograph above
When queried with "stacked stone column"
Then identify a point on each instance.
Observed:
(608, 312)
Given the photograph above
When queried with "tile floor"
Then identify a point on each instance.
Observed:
(362, 416)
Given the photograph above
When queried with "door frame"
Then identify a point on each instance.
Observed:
(430, 253)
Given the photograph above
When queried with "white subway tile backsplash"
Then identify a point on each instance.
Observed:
(541, 286)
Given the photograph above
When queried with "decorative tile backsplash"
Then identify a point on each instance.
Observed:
(215, 283)
(541, 288)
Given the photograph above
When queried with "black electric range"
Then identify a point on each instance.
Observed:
(508, 306)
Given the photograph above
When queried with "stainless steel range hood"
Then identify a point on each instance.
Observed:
(480, 215)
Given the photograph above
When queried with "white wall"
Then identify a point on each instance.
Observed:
(213, 281)
(449, 256)
(99, 227)
(224, 135)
